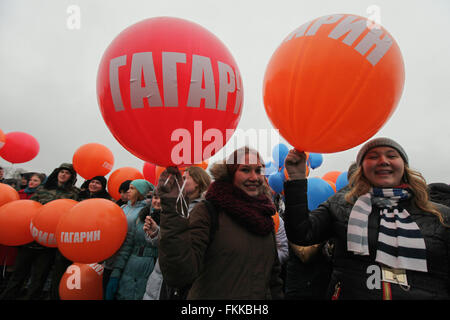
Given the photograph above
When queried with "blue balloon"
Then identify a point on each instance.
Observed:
(270, 168)
(315, 160)
(342, 180)
(276, 181)
(279, 154)
(318, 191)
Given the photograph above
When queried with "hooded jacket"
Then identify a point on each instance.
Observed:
(237, 264)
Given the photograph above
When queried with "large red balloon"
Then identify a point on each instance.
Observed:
(121, 175)
(15, 218)
(333, 83)
(92, 231)
(19, 147)
(82, 282)
(168, 90)
(93, 159)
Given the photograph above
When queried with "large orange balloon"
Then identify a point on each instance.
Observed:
(7, 194)
(93, 159)
(82, 282)
(166, 87)
(331, 176)
(333, 83)
(92, 231)
(15, 218)
(120, 175)
(43, 225)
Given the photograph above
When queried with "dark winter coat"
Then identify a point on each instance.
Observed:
(351, 272)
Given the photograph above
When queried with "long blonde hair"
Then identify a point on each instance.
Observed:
(359, 185)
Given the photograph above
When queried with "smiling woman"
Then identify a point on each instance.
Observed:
(384, 222)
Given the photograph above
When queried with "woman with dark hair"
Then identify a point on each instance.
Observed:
(390, 240)
(241, 260)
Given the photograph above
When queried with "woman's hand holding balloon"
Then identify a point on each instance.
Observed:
(295, 164)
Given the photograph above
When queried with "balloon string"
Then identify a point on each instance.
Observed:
(183, 200)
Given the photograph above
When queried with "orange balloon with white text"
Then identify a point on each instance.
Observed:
(15, 218)
(43, 225)
(82, 282)
(93, 159)
(333, 83)
(92, 231)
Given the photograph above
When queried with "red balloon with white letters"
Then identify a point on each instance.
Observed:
(168, 90)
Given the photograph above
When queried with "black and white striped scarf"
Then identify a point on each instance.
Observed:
(400, 243)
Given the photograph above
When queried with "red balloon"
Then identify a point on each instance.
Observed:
(333, 83)
(168, 90)
(121, 175)
(43, 225)
(2, 139)
(93, 159)
(19, 147)
(149, 172)
(82, 282)
(7, 194)
(15, 218)
(92, 231)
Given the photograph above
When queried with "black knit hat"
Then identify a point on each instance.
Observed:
(100, 179)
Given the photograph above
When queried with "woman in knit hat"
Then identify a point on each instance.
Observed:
(240, 261)
(136, 258)
(391, 242)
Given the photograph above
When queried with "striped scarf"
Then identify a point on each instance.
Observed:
(400, 243)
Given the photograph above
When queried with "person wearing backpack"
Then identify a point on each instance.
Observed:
(241, 261)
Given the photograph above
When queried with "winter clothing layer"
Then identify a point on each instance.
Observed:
(352, 273)
(440, 193)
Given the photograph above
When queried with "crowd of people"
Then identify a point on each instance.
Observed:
(225, 234)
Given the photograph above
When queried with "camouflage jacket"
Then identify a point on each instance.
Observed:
(43, 195)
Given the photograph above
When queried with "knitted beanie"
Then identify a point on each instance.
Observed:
(380, 142)
(102, 181)
(143, 186)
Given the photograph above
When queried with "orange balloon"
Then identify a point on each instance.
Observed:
(120, 175)
(15, 218)
(43, 225)
(333, 185)
(7, 194)
(82, 282)
(331, 176)
(2, 139)
(276, 221)
(93, 159)
(332, 83)
(158, 172)
(92, 231)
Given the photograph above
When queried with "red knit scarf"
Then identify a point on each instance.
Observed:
(253, 213)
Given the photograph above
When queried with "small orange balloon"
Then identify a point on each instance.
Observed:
(2, 139)
(82, 282)
(93, 230)
(333, 83)
(331, 176)
(276, 221)
(93, 159)
(332, 184)
(15, 219)
(120, 175)
(43, 225)
(7, 194)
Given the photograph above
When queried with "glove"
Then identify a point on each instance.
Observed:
(167, 184)
(111, 288)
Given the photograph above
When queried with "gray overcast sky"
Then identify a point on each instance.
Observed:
(48, 71)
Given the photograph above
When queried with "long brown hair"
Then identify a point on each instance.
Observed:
(359, 185)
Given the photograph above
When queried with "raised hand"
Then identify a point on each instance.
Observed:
(295, 164)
